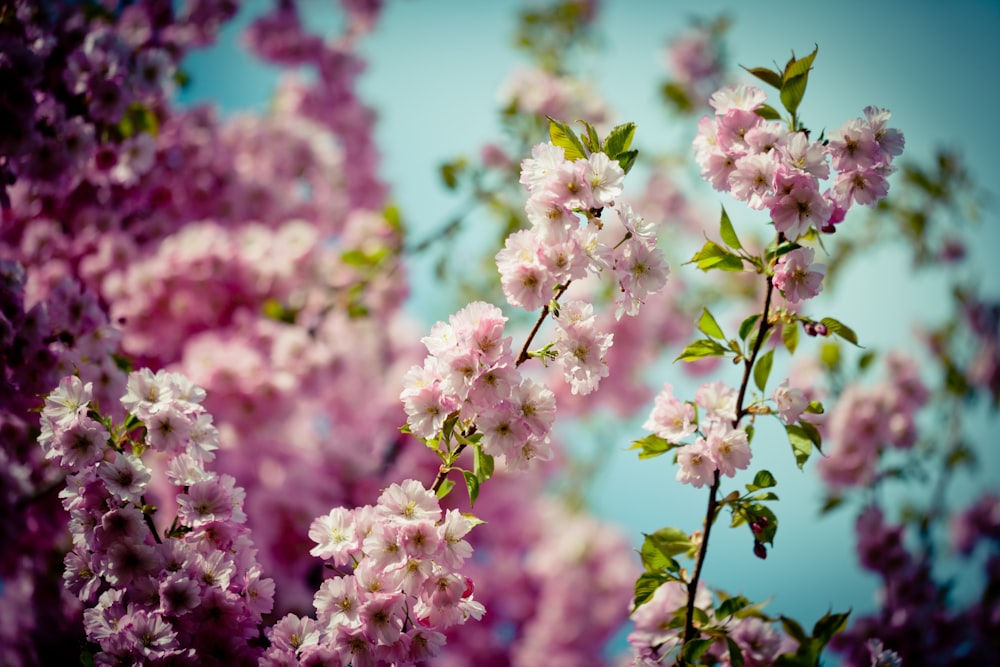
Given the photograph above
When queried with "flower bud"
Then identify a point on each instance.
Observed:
(759, 550)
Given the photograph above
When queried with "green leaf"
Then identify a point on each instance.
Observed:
(831, 503)
(709, 326)
(812, 433)
(767, 495)
(762, 369)
(678, 96)
(783, 249)
(702, 348)
(445, 488)
(626, 160)
(450, 171)
(762, 480)
(790, 336)
(695, 648)
(801, 443)
(794, 80)
(798, 67)
(768, 76)
(841, 329)
(767, 112)
(654, 559)
(747, 325)
(562, 135)
(670, 541)
(730, 606)
(138, 119)
(590, 139)
(471, 485)
(829, 625)
(829, 355)
(618, 141)
(646, 585)
(727, 232)
(652, 446)
(735, 654)
(814, 408)
(483, 465)
(793, 629)
(712, 255)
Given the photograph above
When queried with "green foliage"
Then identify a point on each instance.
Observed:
(714, 256)
(445, 488)
(727, 232)
(840, 329)
(702, 348)
(450, 172)
(762, 480)
(652, 446)
(709, 326)
(670, 541)
(747, 325)
(677, 96)
(695, 648)
(138, 119)
(562, 135)
(803, 436)
(794, 80)
(762, 369)
(810, 646)
(646, 585)
(619, 140)
(790, 336)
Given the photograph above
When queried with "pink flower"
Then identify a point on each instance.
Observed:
(718, 400)
(408, 501)
(729, 449)
(798, 278)
(335, 536)
(671, 419)
(696, 464)
(790, 401)
(581, 348)
(604, 176)
(753, 178)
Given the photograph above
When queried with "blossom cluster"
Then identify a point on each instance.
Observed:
(537, 264)
(197, 592)
(769, 166)
(865, 421)
(401, 589)
(81, 85)
(39, 342)
(470, 372)
(720, 446)
(538, 92)
(656, 633)
(914, 618)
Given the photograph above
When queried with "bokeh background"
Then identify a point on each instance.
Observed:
(434, 70)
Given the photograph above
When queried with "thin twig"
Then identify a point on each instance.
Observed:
(689, 629)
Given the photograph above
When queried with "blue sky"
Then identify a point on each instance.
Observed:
(434, 68)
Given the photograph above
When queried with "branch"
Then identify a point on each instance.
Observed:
(689, 629)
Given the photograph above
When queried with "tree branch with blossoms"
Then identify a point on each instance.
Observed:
(769, 163)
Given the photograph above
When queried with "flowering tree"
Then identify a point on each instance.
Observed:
(225, 435)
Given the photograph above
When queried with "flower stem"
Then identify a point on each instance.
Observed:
(713, 505)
